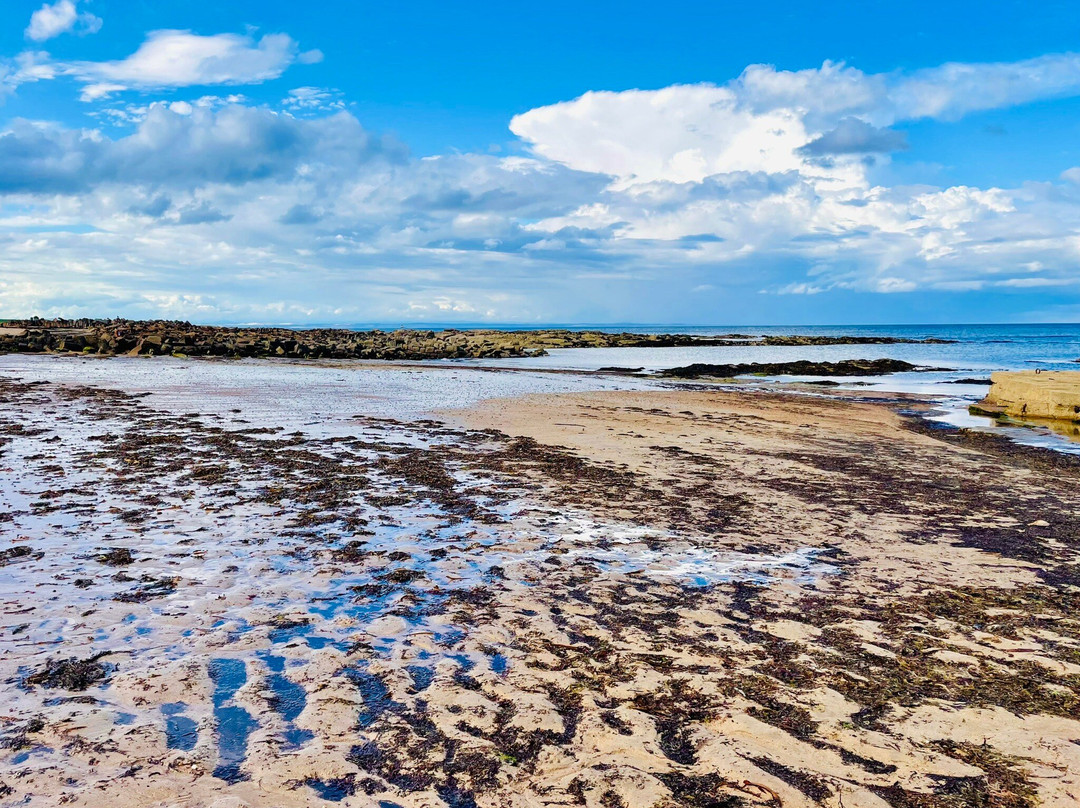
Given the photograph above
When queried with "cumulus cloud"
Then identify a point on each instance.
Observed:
(681, 134)
(182, 59)
(776, 120)
(60, 17)
(312, 100)
(203, 213)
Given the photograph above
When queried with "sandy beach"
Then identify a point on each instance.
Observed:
(491, 405)
(650, 597)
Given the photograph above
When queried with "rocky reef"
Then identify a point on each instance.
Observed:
(166, 337)
(802, 367)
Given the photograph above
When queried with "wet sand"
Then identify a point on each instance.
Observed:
(619, 598)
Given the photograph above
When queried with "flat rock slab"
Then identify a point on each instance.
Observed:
(1049, 394)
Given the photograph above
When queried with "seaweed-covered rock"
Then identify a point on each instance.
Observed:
(802, 367)
(115, 557)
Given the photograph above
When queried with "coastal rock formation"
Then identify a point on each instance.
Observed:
(803, 367)
(797, 340)
(166, 337)
(1034, 394)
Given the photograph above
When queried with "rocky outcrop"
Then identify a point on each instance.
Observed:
(847, 367)
(166, 337)
(1033, 394)
(798, 340)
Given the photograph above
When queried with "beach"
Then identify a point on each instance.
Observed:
(464, 405)
(305, 584)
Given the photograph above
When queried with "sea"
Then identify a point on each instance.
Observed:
(973, 348)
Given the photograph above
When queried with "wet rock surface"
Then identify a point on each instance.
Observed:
(369, 611)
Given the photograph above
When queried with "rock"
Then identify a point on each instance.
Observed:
(1034, 394)
(115, 557)
(19, 552)
(155, 337)
(847, 367)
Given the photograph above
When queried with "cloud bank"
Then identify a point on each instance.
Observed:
(680, 197)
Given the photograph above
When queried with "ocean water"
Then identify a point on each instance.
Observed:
(977, 349)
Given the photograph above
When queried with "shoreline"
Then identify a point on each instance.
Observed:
(1032, 433)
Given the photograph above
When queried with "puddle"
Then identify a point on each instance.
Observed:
(1059, 436)
(234, 724)
(181, 732)
(332, 790)
(701, 567)
(421, 677)
(375, 693)
(288, 699)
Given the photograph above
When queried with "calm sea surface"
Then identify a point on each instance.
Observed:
(977, 348)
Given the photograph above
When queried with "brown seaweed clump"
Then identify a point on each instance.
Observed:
(71, 673)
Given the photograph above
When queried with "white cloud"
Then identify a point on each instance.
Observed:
(187, 146)
(170, 59)
(680, 134)
(182, 59)
(776, 120)
(800, 289)
(60, 17)
(313, 100)
(955, 89)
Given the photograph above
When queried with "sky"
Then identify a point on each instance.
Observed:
(432, 162)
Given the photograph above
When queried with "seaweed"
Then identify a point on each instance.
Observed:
(809, 784)
(115, 557)
(71, 674)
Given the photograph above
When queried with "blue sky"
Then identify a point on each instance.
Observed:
(585, 162)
